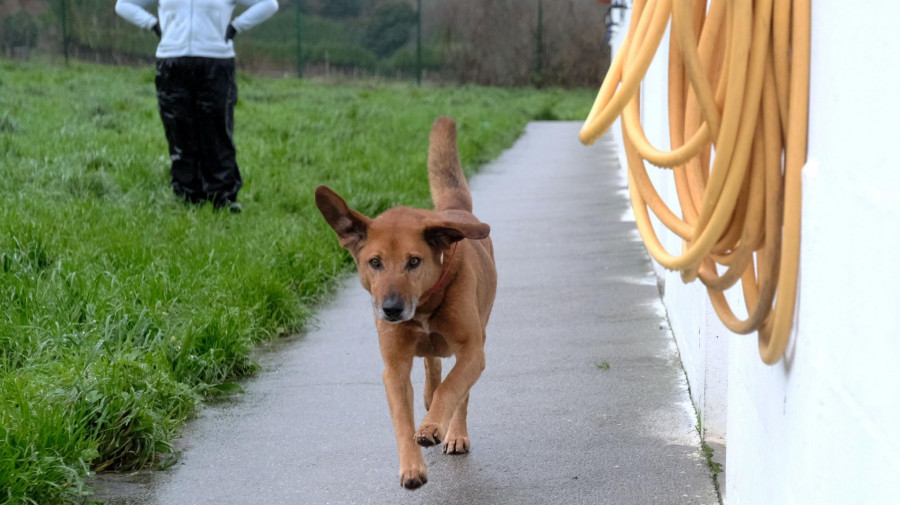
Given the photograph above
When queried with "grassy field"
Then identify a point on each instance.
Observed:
(121, 308)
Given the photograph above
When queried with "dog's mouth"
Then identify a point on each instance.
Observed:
(394, 310)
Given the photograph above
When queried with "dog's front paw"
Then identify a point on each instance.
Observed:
(456, 444)
(413, 477)
(429, 434)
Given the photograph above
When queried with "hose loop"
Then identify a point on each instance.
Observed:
(738, 87)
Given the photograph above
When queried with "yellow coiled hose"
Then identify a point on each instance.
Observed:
(738, 81)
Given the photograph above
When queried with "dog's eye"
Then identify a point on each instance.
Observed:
(375, 263)
(414, 262)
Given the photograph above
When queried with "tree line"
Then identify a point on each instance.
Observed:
(492, 42)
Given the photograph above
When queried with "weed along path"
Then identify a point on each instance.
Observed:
(583, 399)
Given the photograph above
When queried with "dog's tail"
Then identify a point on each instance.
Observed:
(449, 189)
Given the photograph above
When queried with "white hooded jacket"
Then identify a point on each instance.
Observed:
(195, 27)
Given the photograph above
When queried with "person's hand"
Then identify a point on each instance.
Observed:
(156, 29)
(230, 32)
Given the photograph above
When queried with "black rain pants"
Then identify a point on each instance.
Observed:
(196, 103)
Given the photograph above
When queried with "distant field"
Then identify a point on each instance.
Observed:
(121, 308)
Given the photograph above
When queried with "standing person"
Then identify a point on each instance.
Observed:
(196, 89)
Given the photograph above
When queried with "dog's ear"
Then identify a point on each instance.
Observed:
(350, 226)
(442, 234)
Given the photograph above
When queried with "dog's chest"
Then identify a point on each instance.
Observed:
(430, 343)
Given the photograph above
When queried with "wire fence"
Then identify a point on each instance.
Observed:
(493, 42)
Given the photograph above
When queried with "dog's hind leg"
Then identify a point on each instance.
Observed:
(458, 435)
(432, 378)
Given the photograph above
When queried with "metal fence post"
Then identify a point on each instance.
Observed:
(419, 42)
(65, 29)
(299, 3)
(539, 49)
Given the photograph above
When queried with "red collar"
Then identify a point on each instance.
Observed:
(440, 281)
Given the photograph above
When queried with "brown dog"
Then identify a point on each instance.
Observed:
(432, 279)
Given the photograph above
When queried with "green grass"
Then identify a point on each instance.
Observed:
(123, 309)
(707, 452)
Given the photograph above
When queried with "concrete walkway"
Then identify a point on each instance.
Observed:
(583, 400)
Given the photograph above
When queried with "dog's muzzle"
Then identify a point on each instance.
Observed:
(394, 310)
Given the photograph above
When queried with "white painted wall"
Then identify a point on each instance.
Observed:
(823, 425)
(701, 338)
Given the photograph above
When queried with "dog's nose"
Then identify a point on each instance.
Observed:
(393, 308)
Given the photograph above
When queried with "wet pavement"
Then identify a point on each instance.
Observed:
(583, 400)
